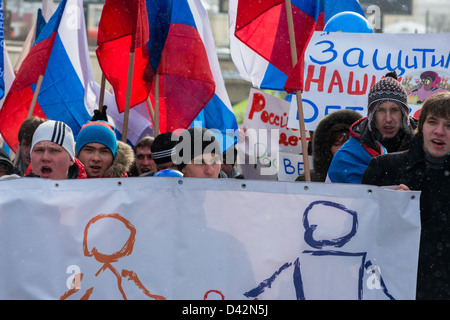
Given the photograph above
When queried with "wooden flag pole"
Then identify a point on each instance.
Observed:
(156, 123)
(30, 111)
(126, 113)
(150, 110)
(102, 93)
(298, 93)
(35, 96)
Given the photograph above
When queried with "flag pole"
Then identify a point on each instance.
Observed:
(150, 110)
(102, 92)
(35, 96)
(298, 92)
(156, 124)
(30, 111)
(126, 113)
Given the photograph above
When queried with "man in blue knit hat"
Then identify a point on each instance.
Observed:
(96, 147)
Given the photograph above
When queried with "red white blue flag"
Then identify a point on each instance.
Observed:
(218, 113)
(186, 82)
(47, 48)
(123, 30)
(259, 37)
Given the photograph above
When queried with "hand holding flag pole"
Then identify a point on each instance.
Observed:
(298, 92)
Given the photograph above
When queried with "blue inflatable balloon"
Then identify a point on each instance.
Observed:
(168, 173)
(348, 21)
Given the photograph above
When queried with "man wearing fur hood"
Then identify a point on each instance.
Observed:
(331, 133)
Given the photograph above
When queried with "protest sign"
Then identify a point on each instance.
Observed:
(340, 69)
(190, 238)
(267, 134)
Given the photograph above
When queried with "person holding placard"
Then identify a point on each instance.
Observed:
(425, 167)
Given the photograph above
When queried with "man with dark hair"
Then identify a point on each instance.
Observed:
(143, 160)
(162, 150)
(425, 167)
(25, 136)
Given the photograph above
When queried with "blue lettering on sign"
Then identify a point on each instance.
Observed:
(290, 169)
(396, 60)
(316, 110)
(329, 49)
(327, 109)
(360, 58)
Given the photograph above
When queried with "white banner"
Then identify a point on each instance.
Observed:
(268, 140)
(340, 69)
(187, 238)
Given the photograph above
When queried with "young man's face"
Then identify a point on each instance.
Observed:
(97, 158)
(203, 166)
(436, 135)
(51, 161)
(388, 119)
(144, 160)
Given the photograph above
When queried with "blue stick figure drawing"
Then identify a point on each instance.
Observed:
(342, 271)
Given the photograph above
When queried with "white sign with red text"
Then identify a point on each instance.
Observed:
(266, 135)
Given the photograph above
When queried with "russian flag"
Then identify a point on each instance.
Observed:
(123, 30)
(68, 92)
(18, 101)
(259, 36)
(186, 82)
(218, 113)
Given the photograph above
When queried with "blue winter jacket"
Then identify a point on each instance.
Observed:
(351, 160)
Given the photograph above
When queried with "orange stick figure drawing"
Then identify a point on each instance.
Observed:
(108, 259)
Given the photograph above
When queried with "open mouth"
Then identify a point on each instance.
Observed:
(46, 170)
(95, 169)
(438, 142)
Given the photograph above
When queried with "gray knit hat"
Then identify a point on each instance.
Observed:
(388, 89)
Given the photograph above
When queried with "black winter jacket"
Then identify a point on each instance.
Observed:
(410, 168)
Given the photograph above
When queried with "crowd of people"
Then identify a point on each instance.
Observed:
(48, 149)
(387, 147)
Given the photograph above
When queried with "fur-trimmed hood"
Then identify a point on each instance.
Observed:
(335, 121)
(122, 162)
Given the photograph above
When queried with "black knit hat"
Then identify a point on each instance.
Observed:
(194, 142)
(163, 147)
(4, 159)
(388, 89)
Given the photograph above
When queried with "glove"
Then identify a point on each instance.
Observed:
(100, 115)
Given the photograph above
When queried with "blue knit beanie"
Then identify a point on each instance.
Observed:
(99, 132)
